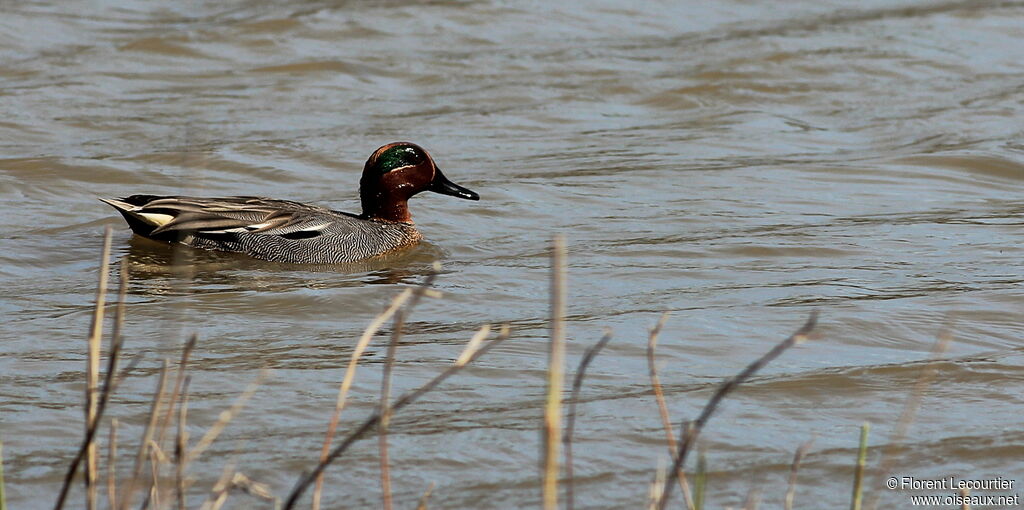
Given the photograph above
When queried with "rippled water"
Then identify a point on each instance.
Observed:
(737, 163)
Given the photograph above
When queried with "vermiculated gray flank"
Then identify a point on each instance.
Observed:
(268, 229)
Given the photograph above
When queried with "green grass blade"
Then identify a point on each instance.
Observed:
(858, 477)
(700, 480)
(3, 499)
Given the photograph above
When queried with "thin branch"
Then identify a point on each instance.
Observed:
(368, 424)
(570, 425)
(690, 436)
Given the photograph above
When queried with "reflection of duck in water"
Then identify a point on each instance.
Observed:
(284, 231)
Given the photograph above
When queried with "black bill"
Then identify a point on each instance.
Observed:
(443, 186)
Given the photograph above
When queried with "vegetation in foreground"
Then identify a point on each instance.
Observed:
(159, 477)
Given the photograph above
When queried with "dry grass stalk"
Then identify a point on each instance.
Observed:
(422, 505)
(179, 380)
(385, 416)
(913, 403)
(473, 344)
(753, 499)
(144, 442)
(163, 422)
(235, 480)
(964, 493)
(798, 457)
(92, 372)
(225, 418)
(181, 446)
(371, 422)
(119, 314)
(570, 425)
(109, 383)
(408, 295)
(350, 374)
(691, 435)
(155, 457)
(659, 397)
(654, 490)
(858, 475)
(220, 490)
(556, 370)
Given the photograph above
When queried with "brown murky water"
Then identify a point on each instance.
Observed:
(737, 163)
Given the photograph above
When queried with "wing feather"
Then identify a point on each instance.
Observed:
(252, 215)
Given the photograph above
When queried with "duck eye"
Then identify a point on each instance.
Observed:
(397, 157)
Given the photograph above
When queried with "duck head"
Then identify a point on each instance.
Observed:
(396, 172)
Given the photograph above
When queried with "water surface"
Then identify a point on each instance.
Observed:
(739, 164)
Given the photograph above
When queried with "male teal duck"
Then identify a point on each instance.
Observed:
(285, 231)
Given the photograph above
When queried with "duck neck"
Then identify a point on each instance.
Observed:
(386, 206)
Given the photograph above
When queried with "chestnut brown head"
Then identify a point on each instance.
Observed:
(396, 172)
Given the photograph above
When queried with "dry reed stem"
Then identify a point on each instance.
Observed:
(798, 457)
(147, 436)
(220, 490)
(179, 379)
(924, 380)
(385, 416)
(164, 421)
(858, 474)
(231, 480)
(93, 368)
(408, 295)
(225, 418)
(690, 435)
(964, 493)
(181, 445)
(408, 398)
(473, 345)
(556, 370)
(112, 465)
(155, 455)
(654, 489)
(119, 314)
(753, 499)
(659, 397)
(109, 383)
(570, 425)
(350, 373)
(422, 505)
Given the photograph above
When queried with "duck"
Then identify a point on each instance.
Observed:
(294, 232)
